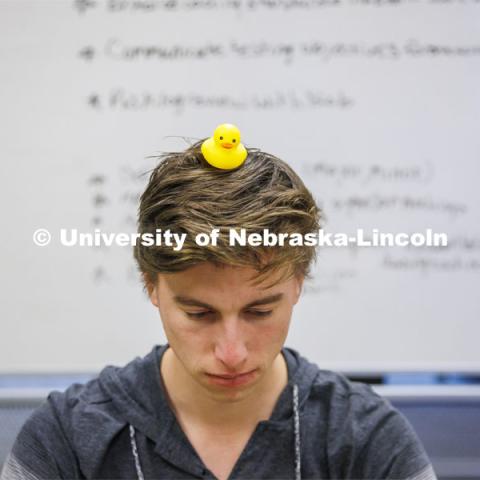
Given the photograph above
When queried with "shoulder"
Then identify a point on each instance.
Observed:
(82, 404)
(366, 436)
(58, 436)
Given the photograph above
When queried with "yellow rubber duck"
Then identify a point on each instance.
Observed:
(224, 149)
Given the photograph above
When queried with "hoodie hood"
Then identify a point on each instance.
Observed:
(138, 393)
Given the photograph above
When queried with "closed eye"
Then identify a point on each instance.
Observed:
(260, 313)
(256, 313)
(198, 314)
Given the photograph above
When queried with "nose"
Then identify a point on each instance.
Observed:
(230, 348)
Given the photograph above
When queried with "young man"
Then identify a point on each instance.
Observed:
(224, 398)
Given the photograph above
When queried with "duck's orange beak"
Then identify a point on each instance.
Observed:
(227, 145)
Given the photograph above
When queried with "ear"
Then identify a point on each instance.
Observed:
(151, 289)
(299, 279)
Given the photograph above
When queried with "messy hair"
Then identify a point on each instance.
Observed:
(187, 195)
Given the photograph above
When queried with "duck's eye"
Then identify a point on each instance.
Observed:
(221, 138)
(233, 140)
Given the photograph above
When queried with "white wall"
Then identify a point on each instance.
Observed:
(376, 105)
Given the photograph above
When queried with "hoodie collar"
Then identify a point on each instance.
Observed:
(300, 373)
(139, 395)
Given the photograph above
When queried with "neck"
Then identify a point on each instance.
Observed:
(191, 400)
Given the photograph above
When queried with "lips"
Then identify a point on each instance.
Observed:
(232, 380)
(230, 376)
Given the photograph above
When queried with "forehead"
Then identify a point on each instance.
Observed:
(208, 282)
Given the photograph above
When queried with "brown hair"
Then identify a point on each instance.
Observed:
(187, 195)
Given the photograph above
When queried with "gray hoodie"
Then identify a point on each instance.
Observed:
(120, 425)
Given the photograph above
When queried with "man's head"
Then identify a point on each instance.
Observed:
(186, 195)
(220, 325)
(225, 309)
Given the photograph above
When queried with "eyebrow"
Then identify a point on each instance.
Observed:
(192, 302)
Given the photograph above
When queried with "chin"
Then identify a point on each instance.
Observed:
(230, 396)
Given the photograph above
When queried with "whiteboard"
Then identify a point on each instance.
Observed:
(375, 103)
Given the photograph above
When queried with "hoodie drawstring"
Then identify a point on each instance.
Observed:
(133, 443)
(296, 432)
